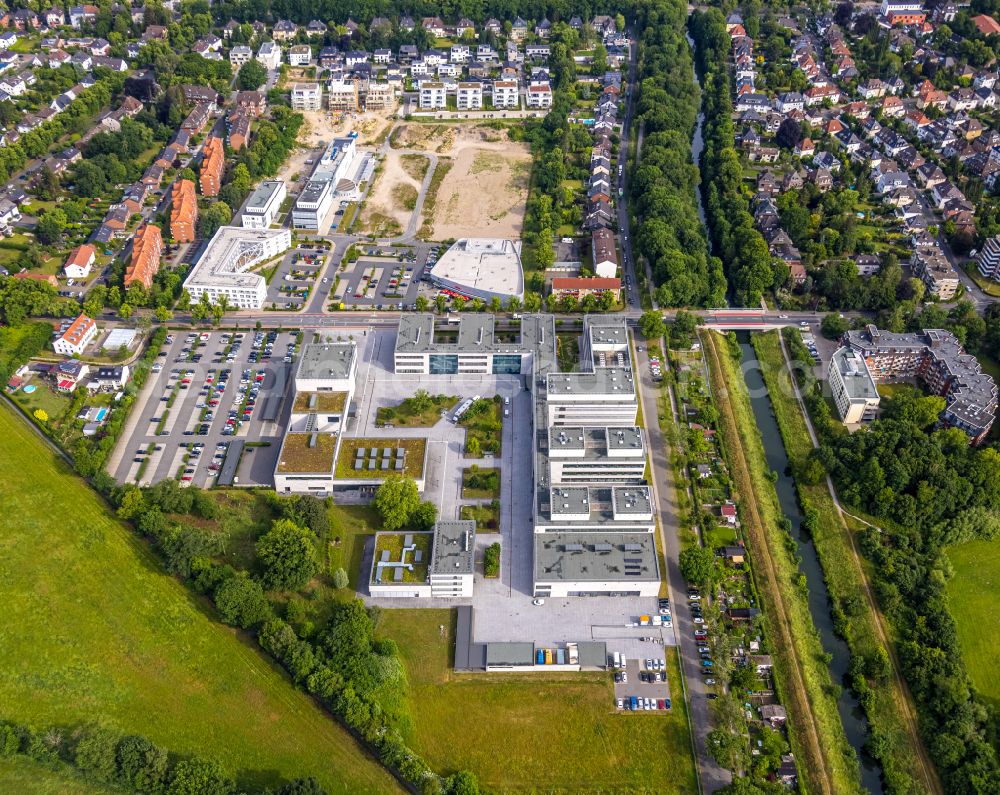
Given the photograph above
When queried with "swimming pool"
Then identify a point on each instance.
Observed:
(101, 414)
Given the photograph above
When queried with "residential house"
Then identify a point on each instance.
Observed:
(183, 211)
(604, 253)
(76, 337)
(80, 261)
(213, 159)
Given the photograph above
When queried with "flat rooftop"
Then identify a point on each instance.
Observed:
(630, 500)
(605, 381)
(307, 453)
(623, 438)
(858, 382)
(306, 402)
(566, 438)
(232, 251)
(262, 196)
(597, 556)
(569, 500)
(481, 266)
(454, 549)
(327, 360)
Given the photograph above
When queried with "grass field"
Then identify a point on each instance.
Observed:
(844, 575)
(551, 733)
(27, 777)
(93, 629)
(817, 734)
(972, 594)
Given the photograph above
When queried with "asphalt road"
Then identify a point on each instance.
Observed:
(712, 776)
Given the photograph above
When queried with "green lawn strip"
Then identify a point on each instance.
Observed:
(411, 413)
(473, 480)
(484, 427)
(486, 517)
(818, 703)
(442, 168)
(972, 595)
(94, 630)
(25, 776)
(854, 619)
(534, 732)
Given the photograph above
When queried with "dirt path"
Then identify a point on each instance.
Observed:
(799, 710)
(901, 692)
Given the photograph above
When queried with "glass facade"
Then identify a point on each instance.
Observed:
(443, 364)
(507, 364)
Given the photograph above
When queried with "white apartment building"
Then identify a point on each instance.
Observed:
(239, 55)
(307, 96)
(269, 54)
(469, 96)
(853, 388)
(433, 95)
(539, 95)
(263, 205)
(77, 336)
(506, 94)
(300, 55)
(988, 260)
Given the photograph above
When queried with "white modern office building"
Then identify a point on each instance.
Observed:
(264, 203)
(224, 266)
(592, 511)
(481, 267)
(312, 208)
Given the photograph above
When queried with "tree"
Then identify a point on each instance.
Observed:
(51, 225)
(41, 415)
(94, 754)
(302, 786)
(396, 501)
(141, 764)
(491, 560)
(651, 325)
(424, 516)
(696, 564)
(834, 325)
(462, 783)
(199, 777)
(544, 253)
(241, 602)
(131, 502)
(421, 303)
(789, 134)
(340, 578)
(287, 555)
(252, 75)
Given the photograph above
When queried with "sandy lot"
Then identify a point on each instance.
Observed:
(322, 125)
(484, 193)
(384, 212)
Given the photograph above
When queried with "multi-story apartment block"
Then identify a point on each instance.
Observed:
(433, 95)
(506, 94)
(307, 96)
(469, 96)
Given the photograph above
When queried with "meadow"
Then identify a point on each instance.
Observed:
(94, 630)
(972, 596)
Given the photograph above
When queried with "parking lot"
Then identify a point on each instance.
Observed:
(295, 278)
(384, 277)
(645, 680)
(206, 392)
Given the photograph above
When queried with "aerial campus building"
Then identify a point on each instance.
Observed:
(933, 356)
(592, 512)
(263, 205)
(439, 564)
(224, 265)
(481, 267)
(316, 456)
(329, 178)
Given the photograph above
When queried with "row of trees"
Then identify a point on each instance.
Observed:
(131, 762)
(735, 240)
(931, 489)
(363, 11)
(76, 118)
(668, 231)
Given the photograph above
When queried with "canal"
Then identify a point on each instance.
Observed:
(697, 142)
(855, 724)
